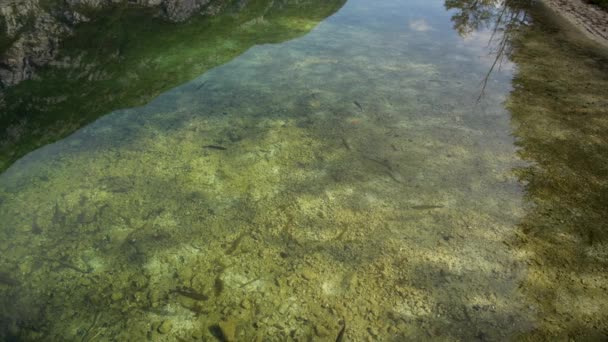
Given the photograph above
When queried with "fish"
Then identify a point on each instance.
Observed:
(215, 147)
(198, 87)
(190, 293)
(340, 337)
(64, 264)
(218, 285)
(394, 174)
(426, 207)
(346, 144)
(6, 279)
(358, 105)
(235, 243)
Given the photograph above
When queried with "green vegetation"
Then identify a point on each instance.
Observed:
(125, 57)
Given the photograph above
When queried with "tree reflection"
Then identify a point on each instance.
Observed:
(558, 112)
(502, 17)
(476, 15)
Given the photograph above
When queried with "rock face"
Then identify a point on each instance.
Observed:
(34, 35)
(32, 30)
(179, 10)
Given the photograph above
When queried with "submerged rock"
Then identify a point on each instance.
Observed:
(116, 296)
(228, 330)
(165, 327)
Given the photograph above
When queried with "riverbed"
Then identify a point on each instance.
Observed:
(398, 170)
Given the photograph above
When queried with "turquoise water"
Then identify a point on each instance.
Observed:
(382, 177)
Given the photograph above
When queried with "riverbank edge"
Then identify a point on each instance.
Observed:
(591, 20)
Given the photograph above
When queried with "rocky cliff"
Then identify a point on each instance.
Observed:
(126, 55)
(31, 30)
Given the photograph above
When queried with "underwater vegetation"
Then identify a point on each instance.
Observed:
(389, 176)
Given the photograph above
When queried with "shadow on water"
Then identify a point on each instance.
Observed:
(356, 182)
(558, 109)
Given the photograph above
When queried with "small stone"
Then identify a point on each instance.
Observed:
(321, 331)
(165, 327)
(197, 334)
(116, 296)
(154, 298)
(245, 304)
(308, 274)
(228, 329)
(186, 302)
(139, 296)
(186, 274)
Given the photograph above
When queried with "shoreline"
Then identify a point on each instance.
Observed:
(591, 20)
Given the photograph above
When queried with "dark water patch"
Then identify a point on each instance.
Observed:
(6, 279)
(215, 147)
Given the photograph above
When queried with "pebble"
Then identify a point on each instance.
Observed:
(185, 274)
(321, 331)
(154, 298)
(228, 329)
(308, 274)
(165, 327)
(197, 334)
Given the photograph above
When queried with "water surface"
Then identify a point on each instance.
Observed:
(404, 171)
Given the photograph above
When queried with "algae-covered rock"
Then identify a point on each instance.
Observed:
(116, 296)
(246, 304)
(321, 331)
(165, 327)
(228, 330)
(308, 274)
(154, 298)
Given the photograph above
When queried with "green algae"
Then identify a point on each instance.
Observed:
(127, 56)
(168, 210)
(559, 112)
(310, 218)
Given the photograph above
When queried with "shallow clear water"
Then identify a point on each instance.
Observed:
(361, 176)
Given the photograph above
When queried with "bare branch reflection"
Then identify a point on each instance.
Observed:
(502, 17)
